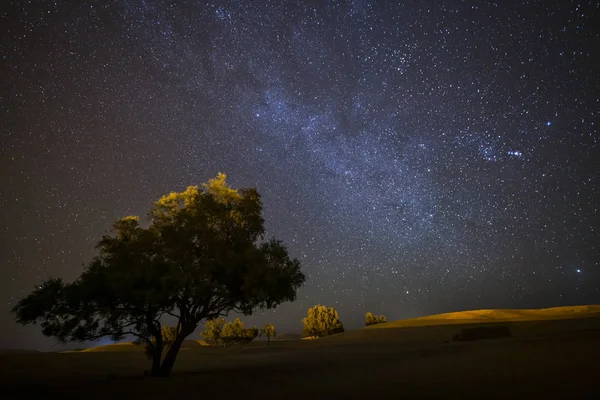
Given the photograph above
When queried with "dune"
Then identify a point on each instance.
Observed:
(466, 318)
(130, 346)
(525, 324)
(287, 336)
(496, 315)
(123, 346)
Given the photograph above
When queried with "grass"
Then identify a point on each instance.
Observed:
(551, 356)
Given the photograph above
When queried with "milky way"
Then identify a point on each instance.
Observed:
(416, 158)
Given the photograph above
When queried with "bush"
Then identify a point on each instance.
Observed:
(322, 321)
(212, 330)
(371, 319)
(234, 333)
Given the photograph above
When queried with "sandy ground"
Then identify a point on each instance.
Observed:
(553, 359)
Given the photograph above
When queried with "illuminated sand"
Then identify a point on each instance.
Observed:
(552, 353)
(130, 346)
(499, 315)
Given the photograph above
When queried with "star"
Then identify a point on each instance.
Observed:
(393, 146)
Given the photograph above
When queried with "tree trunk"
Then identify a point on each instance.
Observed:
(156, 332)
(171, 356)
(156, 357)
(268, 341)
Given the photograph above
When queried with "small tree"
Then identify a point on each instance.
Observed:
(371, 319)
(268, 331)
(322, 321)
(212, 330)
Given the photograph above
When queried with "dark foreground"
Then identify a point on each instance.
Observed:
(558, 359)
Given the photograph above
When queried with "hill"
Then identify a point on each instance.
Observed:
(497, 315)
(527, 324)
(551, 352)
(288, 336)
(520, 321)
(132, 347)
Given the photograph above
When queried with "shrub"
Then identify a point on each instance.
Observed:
(371, 319)
(234, 332)
(212, 330)
(322, 321)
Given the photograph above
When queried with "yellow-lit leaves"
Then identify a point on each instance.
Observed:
(219, 189)
(226, 334)
(371, 319)
(322, 321)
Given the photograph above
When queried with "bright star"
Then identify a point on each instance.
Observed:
(515, 153)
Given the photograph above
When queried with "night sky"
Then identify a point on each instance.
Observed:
(417, 157)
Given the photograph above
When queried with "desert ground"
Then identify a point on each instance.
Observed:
(552, 353)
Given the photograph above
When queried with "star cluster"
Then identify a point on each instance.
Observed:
(417, 157)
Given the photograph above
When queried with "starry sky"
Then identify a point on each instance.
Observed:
(418, 157)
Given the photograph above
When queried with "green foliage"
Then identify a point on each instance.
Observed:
(371, 319)
(322, 321)
(212, 330)
(235, 332)
(226, 334)
(169, 333)
(268, 331)
(201, 256)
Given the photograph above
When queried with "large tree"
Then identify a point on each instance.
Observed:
(202, 256)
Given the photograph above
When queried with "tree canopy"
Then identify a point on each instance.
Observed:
(268, 331)
(202, 255)
(322, 321)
